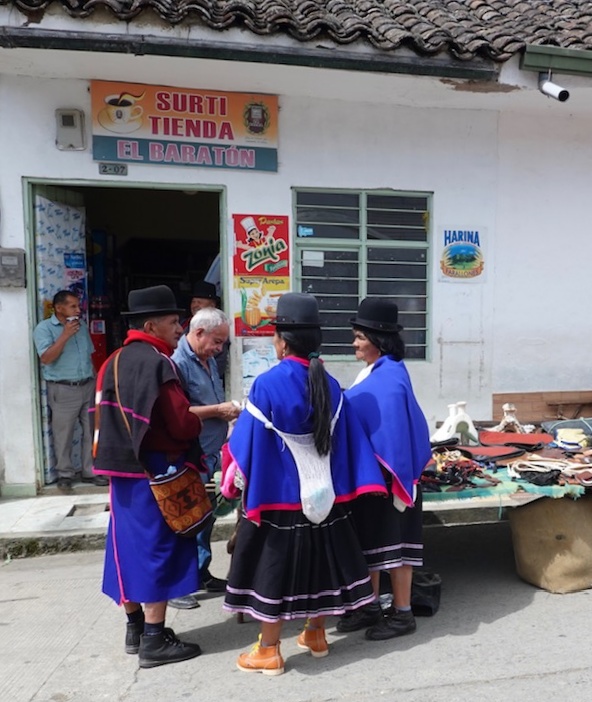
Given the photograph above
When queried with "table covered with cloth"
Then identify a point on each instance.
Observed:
(501, 475)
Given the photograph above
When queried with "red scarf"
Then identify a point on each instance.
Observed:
(159, 344)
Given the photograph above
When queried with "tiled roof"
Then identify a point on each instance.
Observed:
(495, 29)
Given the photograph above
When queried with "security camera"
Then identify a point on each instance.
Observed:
(550, 89)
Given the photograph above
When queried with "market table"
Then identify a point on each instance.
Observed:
(551, 535)
(508, 493)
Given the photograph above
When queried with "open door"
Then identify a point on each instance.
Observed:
(60, 261)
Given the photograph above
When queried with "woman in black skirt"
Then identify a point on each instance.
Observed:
(300, 456)
(390, 531)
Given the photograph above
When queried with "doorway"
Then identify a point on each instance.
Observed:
(102, 242)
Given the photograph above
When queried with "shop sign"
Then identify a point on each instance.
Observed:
(462, 256)
(261, 269)
(159, 125)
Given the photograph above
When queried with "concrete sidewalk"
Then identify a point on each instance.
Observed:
(494, 638)
(58, 523)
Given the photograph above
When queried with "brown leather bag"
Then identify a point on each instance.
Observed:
(183, 500)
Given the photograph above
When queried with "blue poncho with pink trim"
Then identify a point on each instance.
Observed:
(266, 465)
(393, 420)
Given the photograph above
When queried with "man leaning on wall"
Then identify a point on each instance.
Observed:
(65, 348)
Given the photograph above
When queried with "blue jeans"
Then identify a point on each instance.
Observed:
(204, 552)
(204, 538)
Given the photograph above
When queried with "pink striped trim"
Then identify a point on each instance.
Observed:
(325, 612)
(394, 547)
(128, 410)
(364, 490)
(116, 474)
(391, 565)
(123, 599)
(255, 514)
(397, 489)
(295, 598)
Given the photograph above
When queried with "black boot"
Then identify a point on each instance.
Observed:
(394, 623)
(361, 618)
(160, 649)
(133, 631)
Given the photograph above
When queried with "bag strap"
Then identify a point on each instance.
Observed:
(117, 395)
(118, 398)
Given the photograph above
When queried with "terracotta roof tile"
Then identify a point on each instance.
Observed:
(495, 29)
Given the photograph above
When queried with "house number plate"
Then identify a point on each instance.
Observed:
(117, 169)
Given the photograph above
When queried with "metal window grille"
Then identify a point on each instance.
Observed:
(352, 244)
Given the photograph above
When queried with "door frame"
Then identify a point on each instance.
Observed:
(29, 185)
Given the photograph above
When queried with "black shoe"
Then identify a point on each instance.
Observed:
(164, 648)
(65, 484)
(98, 480)
(133, 631)
(392, 624)
(360, 619)
(187, 602)
(214, 585)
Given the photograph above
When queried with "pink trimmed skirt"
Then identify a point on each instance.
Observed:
(290, 568)
(145, 561)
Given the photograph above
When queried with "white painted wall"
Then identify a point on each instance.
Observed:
(484, 169)
(541, 310)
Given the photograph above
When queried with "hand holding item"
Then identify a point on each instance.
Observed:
(71, 327)
(229, 410)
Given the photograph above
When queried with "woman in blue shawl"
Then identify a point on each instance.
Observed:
(390, 531)
(300, 456)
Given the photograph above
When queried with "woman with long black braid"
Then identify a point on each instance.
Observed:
(299, 454)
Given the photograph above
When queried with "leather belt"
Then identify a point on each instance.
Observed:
(72, 383)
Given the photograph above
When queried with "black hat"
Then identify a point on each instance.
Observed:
(377, 314)
(156, 300)
(297, 310)
(206, 291)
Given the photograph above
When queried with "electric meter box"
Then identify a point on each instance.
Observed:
(12, 268)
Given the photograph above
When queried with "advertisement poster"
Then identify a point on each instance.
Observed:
(258, 356)
(261, 269)
(462, 255)
(153, 124)
(75, 277)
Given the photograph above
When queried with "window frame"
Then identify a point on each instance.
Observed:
(361, 245)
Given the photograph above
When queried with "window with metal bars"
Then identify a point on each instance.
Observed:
(354, 244)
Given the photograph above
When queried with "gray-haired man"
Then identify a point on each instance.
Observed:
(194, 357)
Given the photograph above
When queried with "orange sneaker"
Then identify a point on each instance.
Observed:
(262, 659)
(314, 640)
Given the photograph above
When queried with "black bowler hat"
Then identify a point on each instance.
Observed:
(297, 310)
(205, 291)
(156, 300)
(377, 314)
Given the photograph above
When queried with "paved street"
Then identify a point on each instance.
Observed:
(494, 638)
